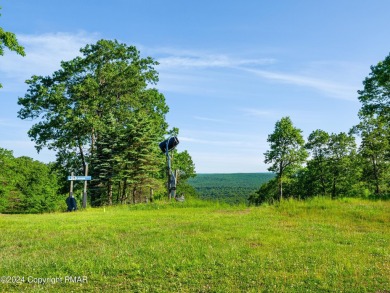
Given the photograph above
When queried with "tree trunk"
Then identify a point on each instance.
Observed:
(124, 189)
(334, 188)
(280, 188)
(93, 140)
(281, 169)
(134, 194)
(109, 192)
(376, 177)
(118, 196)
(82, 156)
(151, 195)
(322, 178)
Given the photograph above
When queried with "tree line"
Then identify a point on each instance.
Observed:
(100, 110)
(27, 186)
(332, 164)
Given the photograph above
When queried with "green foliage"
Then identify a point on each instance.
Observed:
(319, 245)
(343, 166)
(375, 152)
(229, 188)
(336, 167)
(267, 193)
(100, 109)
(375, 97)
(374, 128)
(184, 164)
(27, 186)
(316, 176)
(287, 152)
(8, 40)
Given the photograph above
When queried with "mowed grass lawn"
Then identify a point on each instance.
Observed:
(315, 246)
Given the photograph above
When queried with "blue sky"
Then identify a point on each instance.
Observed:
(228, 69)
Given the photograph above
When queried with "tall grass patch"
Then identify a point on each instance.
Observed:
(316, 246)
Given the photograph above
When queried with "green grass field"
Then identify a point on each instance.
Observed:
(314, 246)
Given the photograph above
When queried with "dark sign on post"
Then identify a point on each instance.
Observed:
(166, 146)
(169, 143)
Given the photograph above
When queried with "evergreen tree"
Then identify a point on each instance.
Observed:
(101, 107)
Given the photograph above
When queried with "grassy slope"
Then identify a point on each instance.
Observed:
(315, 246)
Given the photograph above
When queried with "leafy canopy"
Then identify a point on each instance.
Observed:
(8, 40)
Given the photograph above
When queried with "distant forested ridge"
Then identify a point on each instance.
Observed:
(230, 188)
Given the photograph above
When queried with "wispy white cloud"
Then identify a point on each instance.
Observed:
(212, 141)
(258, 112)
(208, 119)
(209, 61)
(177, 67)
(234, 141)
(309, 75)
(334, 89)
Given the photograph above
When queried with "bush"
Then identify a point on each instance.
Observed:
(27, 186)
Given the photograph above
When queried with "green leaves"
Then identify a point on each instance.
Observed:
(287, 150)
(375, 97)
(101, 106)
(8, 40)
(27, 186)
(374, 127)
(375, 152)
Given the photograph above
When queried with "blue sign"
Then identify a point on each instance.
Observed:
(85, 178)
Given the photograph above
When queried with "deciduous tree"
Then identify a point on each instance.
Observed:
(342, 163)
(375, 96)
(287, 151)
(374, 126)
(93, 106)
(317, 174)
(375, 151)
(8, 40)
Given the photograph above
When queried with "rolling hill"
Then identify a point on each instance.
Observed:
(231, 188)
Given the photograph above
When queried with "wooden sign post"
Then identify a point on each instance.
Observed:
(85, 188)
(71, 185)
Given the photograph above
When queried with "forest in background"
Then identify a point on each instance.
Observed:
(99, 111)
(28, 186)
(333, 164)
(102, 110)
(230, 188)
